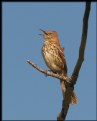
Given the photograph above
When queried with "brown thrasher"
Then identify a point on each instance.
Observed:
(54, 58)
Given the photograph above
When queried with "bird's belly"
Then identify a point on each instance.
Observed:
(50, 60)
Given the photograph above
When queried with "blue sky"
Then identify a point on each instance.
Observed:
(28, 94)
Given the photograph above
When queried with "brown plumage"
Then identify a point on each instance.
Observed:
(54, 58)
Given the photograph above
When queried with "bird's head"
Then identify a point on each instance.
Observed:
(50, 36)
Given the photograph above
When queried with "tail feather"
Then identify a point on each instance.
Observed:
(73, 98)
(69, 94)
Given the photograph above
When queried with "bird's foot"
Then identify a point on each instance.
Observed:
(46, 74)
(50, 71)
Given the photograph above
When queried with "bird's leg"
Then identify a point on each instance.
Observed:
(50, 71)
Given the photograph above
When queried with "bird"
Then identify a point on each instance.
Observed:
(55, 60)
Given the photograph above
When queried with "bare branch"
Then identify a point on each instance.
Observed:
(83, 40)
(48, 73)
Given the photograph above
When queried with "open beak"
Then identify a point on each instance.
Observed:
(43, 32)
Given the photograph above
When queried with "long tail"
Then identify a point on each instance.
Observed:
(69, 93)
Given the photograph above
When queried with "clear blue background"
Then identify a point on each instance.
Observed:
(27, 93)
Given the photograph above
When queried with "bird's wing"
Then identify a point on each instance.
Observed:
(61, 53)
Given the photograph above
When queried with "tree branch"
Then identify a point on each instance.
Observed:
(83, 40)
(48, 73)
(65, 106)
